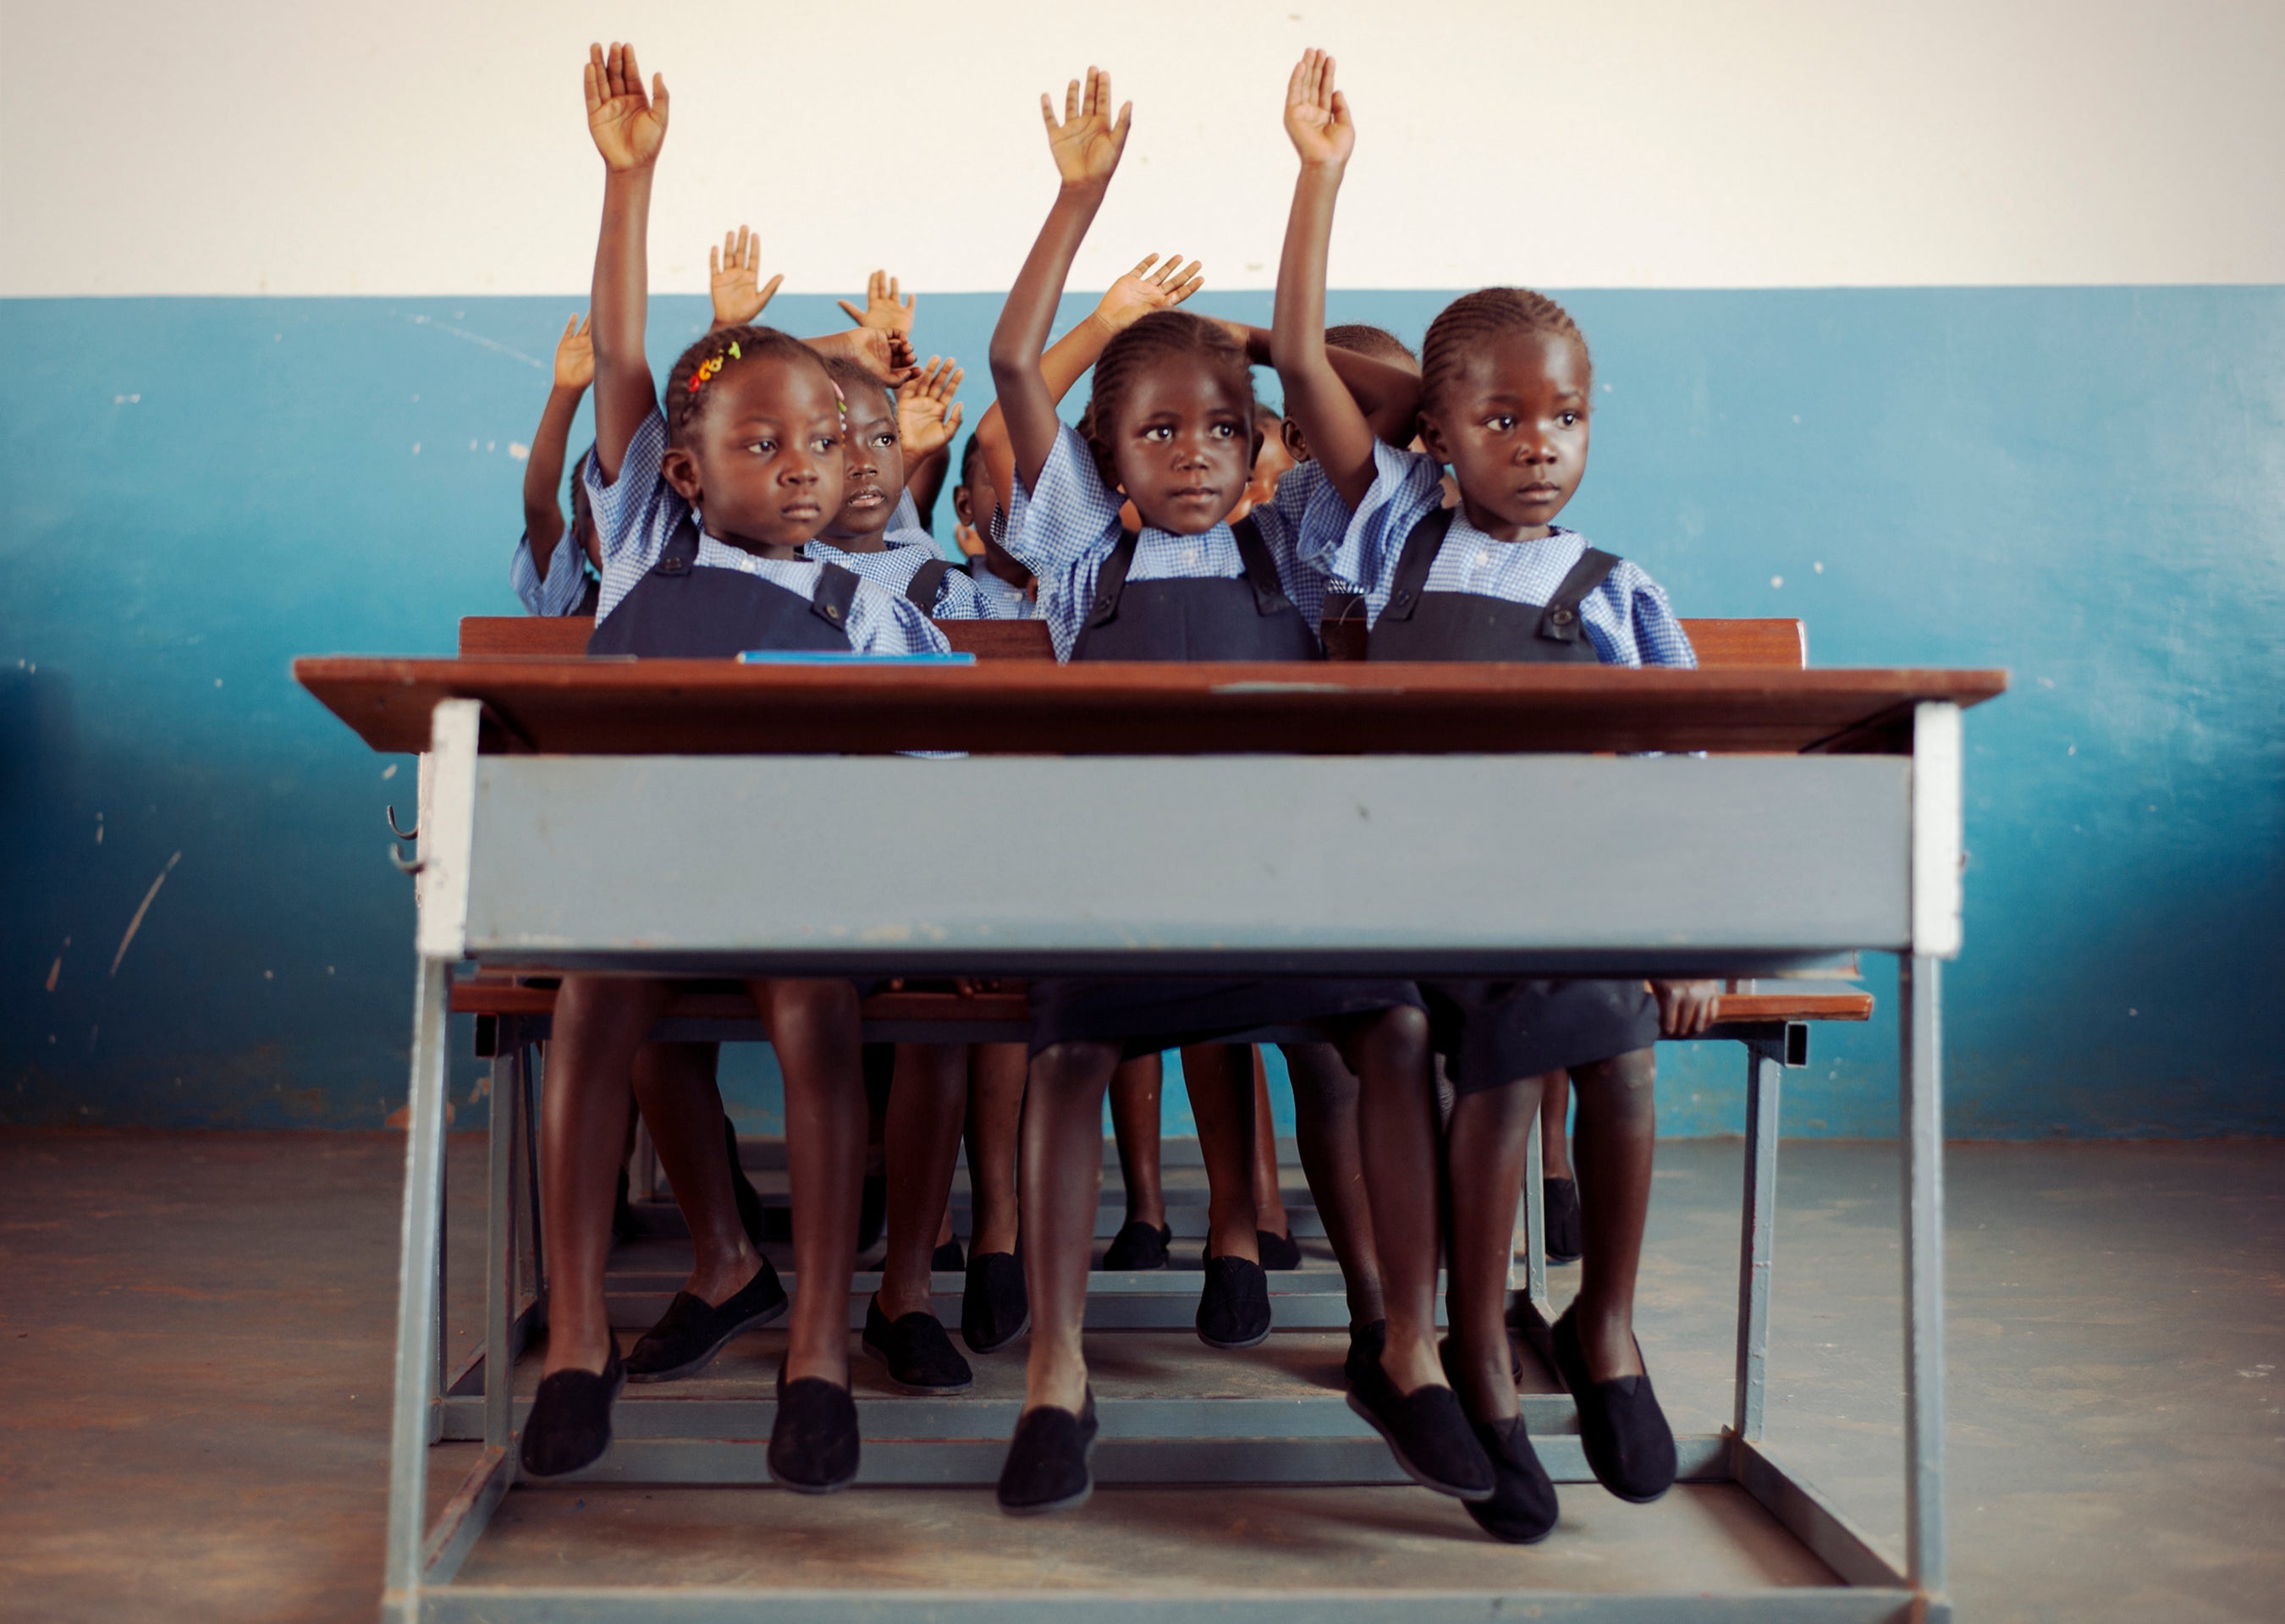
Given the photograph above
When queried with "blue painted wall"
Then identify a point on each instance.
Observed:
(2086, 486)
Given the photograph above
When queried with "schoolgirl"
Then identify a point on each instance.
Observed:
(551, 568)
(702, 511)
(1170, 427)
(1505, 394)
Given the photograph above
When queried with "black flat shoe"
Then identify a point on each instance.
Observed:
(1280, 1252)
(995, 1309)
(1522, 1509)
(919, 1357)
(1559, 1199)
(1365, 1343)
(1233, 1308)
(752, 1215)
(813, 1440)
(569, 1425)
(693, 1330)
(948, 1259)
(1047, 1465)
(1623, 1431)
(1427, 1431)
(1139, 1245)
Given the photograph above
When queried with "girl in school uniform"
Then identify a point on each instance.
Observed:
(1504, 400)
(551, 567)
(702, 510)
(877, 534)
(1170, 427)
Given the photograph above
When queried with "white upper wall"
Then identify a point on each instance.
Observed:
(421, 147)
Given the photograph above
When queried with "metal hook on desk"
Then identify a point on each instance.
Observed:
(411, 834)
(404, 865)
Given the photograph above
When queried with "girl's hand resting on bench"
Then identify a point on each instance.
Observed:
(1686, 1008)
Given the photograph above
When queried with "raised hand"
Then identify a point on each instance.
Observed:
(969, 542)
(575, 355)
(629, 126)
(1317, 114)
(734, 271)
(1087, 143)
(1144, 290)
(882, 309)
(927, 415)
(887, 356)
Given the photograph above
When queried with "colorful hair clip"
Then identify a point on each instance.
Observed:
(712, 365)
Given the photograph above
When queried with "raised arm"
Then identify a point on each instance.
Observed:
(1150, 287)
(543, 470)
(1085, 145)
(629, 128)
(1388, 395)
(733, 276)
(1317, 119)
(928, 417)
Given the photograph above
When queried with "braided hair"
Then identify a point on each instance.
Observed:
(852, 378)
(684, 405)
(1470, 321)
(1378, 344)
(1159, 335)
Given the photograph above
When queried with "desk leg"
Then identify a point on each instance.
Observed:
(1535, 1220)
(501, 1248)
(419, 1246)
(1765, 1067)
(1921, 1130)
(535, 1078)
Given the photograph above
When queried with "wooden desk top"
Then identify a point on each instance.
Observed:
(709, 708)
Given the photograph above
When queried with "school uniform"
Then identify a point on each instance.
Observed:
(669, 589)
(567, 588)
(998, 599)
(1429, 585)
(909, 564)
(1230, 593)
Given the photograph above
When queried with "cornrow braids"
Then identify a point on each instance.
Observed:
(704, 361)
(1473, 318)
(853, 379)
(1380, 343)
(581, 519)
(1161, 335)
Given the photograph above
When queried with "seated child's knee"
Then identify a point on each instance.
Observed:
(1624, 1082)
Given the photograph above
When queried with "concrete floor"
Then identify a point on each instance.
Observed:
(194, 1333)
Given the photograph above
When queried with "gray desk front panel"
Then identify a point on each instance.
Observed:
(1155, 865)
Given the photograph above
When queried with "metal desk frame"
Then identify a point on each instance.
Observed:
(490, 910)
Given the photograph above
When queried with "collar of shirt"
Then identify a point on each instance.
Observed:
(800, 574)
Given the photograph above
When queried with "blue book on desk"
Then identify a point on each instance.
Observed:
(836, 657)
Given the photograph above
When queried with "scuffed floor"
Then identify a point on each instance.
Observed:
(194, 1336)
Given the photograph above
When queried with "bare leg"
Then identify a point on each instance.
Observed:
(995, 1116)
(1325, 1124)
(1134, 1088)
(600, 1021)
(1555, 1125)
(1617, 1124)
(681, 1104)
(1268, 1201)
(926, 1107)
(1490, 1133)
(1220, 1078)
(1061, 1177)
(1397, 1122)
(812, 1026)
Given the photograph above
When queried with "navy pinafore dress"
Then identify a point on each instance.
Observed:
(1492, 1032)
(1237, 617)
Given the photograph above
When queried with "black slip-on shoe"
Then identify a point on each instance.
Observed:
(919, 1357)
(570, 1424)
(1139, 1245)
(1280, 1252)
(1233, 1308)
(1560, 1200)
(948, 1259)
(1521, 1510)
(1428, 1433)
(872, 1209)
(693, 1330)
(813, 1442)
(752, 1215)
(1621, 1429)
(1365, 1343)
(995, 1308)
(1047, 1465)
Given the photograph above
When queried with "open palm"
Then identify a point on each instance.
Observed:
(1317, 114)
(1144, 290)
(1087, 143)
(629, 126)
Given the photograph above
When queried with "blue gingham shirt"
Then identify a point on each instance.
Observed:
(637, 514)
(565, 585)
(1062, 532)
(1627, 617)
(909, 548)
(996, 598)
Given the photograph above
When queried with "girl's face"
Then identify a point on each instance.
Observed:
(1182, 445)
(763, 463)
(1513, 427)
(873, 469)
